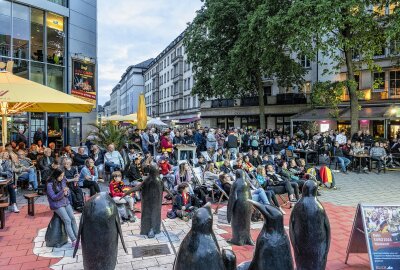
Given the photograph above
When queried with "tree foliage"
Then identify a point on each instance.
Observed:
(233, 44)
(338, 30)
(109, 133)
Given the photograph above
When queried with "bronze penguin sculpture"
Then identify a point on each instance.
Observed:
(239, 211)
(152, 189)
(272, 250)
(309, 230)
(99, 228)
(199, 249)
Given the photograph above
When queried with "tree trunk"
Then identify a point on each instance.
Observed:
(354, 112)
(261, 105)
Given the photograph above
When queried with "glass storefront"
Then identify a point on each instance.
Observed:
(35, 40)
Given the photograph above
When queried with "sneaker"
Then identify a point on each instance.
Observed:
(15, 209)
(30, 188)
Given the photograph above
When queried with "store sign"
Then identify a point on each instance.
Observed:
(83, 83)
(376, 230)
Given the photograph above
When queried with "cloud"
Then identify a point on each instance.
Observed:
(135, 30)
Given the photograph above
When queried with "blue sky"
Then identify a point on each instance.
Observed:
(131, 31)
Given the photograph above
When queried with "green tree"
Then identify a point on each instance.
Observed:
(233, 45)
(347, 32)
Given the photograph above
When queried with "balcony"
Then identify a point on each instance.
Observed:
(222, 103)
(291, 98)
(251, 101)
(176, 58)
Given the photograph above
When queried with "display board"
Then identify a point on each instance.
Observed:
(376, 230)
(83, 83)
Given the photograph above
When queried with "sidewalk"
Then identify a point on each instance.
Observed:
(22, 241)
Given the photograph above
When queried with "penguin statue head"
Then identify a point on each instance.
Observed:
(310, 189)
(154, 172)
(273, 218)
(202, 220)
(239, 174)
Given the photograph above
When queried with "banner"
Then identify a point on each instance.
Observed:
(83, 81)
(382, 227)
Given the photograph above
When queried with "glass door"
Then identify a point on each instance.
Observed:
(73, 130)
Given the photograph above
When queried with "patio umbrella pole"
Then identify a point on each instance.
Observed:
(4, 129)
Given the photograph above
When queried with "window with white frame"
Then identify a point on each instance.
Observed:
(305, 62)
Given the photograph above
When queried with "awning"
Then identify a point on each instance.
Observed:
(317, 114)
(188, 120)
(368, 113)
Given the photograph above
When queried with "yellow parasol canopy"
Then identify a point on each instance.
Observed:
(132, 118)
(21, 95)
(141, 113)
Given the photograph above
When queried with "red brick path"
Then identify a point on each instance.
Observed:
(16, 240)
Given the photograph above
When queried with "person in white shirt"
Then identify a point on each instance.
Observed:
(341, 137)
(113, 159)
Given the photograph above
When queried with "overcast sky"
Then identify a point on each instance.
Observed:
(132, 31)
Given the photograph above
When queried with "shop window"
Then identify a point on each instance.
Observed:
(5, 29)
(37, 72)
(37, 32)
(21, 68)
(55, 39)
(55, 77)
(394, 84)
(324, 127)
(20, 31)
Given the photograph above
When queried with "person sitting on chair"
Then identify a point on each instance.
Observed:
(80, 158)
(98, 157)
(282, 185)
(46, 161)
(72, 175)
(117, 188)
(25, 170)
(89, 176)
(113, 159)
(378, 154)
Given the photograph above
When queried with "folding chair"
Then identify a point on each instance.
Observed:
(223, 194)
(206, 155)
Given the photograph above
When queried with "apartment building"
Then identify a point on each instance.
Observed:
(168, 84)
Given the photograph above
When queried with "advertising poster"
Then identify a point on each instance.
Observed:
(83, 83)
(382, 232)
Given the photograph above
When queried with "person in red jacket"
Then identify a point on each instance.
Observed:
(167, 174)
(166, 144)
(117, 188)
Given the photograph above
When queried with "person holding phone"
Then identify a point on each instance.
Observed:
(72, 176)
(57, 195)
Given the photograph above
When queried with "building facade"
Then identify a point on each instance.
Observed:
(44, 39)
(168, 84)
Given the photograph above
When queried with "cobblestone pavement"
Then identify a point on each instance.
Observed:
(22, 243)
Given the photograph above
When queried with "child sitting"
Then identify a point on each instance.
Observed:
(117, 188)
(167, 173)
(182, 206)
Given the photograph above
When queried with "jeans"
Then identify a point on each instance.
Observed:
(12, 193)
(344, 162)
(31, 176)
(111, 166)
(125, 200)
(100, 170)
(259, 195)
(380, 162)
(233, 153)
(271, 197)
(92, 186)
(67, 216)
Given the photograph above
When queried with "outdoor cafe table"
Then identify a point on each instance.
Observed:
(3, 190)
(360, 157)
(305, 153)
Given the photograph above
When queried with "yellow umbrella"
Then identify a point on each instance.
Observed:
(21, 95)
(141, 113)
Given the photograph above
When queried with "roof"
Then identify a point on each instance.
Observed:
(144, 64)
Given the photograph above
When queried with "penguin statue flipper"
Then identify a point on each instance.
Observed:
(229, 259)
(78, 237)
(118, 224)
(292, 236)
(231, 204)
(328, 229)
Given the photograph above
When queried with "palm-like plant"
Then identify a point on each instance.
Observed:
(109, 133)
